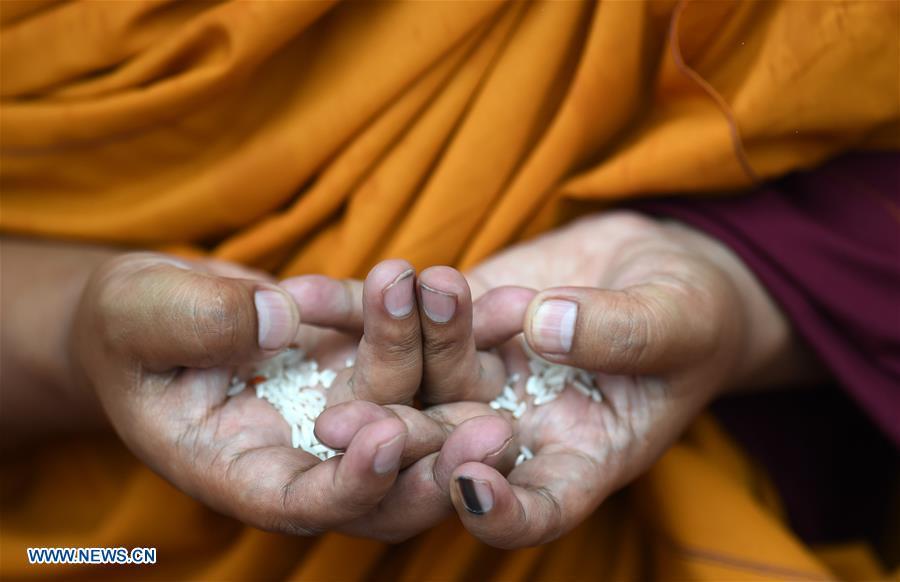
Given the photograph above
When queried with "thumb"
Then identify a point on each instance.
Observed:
(639, 330)
(165, 315)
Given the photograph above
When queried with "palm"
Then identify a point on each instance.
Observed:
(245, 422)
(606, 432)
(592, 447)
(232, 441)
(236, 443)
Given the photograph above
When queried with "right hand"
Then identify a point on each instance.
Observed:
(159, 340)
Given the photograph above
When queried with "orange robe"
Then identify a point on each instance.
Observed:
(303, 136)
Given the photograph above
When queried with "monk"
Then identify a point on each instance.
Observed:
(255, 133)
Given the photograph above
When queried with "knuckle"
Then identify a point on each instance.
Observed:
(620, 337)
(450, 385)
(404, 349)
(114, 295)
(215, 316)
(630, 346)
(440, 346)
(356, 503)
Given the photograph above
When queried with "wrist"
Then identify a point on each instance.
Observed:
(769, 351)
(42, 287)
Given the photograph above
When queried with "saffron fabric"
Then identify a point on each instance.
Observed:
(322, 136)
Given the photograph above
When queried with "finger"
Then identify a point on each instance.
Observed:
(640, 330)
(282, 491)
(428, 430)
(420, 497)
(500, 314)
(485, 439)
(327, 302)
(338, 425)
(542, 499)
(453, 369)
(388, 365)
(167, 316)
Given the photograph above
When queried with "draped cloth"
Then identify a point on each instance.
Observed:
(841, 224)
(322, 137)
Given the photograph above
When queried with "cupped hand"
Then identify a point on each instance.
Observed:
(159, 340)
(667, 319)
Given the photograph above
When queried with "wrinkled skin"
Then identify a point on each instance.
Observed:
(159, 340)
(667, 318)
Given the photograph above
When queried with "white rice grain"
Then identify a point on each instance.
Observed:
(236, 387)
(581, 387)
(520, 409)
(525, 454)
(291, 383)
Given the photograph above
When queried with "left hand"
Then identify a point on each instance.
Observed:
(665, 316)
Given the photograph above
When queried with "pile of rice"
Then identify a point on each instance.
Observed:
(545, 384)
(295, 386)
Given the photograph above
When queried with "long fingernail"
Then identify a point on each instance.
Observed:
(477, 495)
(553, 326)
(387, 456)
(275, 319)
(398, 296)
(439, 306)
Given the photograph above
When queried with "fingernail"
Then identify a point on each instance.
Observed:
(439, 306)
(275, 319)
(553, 326)
(387, 456)
(500, 450)
(398, 296)
(477, 495)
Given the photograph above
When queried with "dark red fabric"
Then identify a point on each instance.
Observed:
(826, 245)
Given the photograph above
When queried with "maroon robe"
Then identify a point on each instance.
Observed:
(826, 245)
